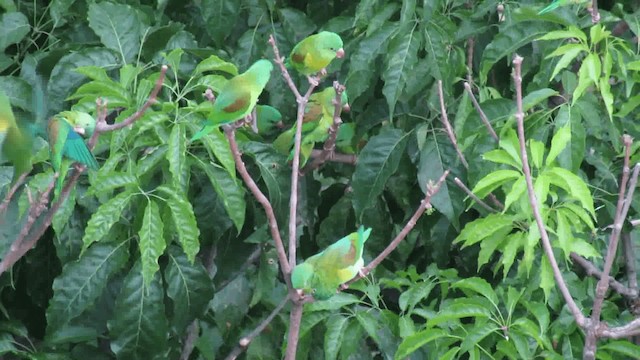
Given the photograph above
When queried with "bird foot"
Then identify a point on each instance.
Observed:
(362, 273)
(313, 80)
(323, 72)
(344, 286)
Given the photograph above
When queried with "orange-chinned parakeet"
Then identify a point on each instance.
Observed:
(558, 3)
(268, 119)
(15, 140)
(315, 52)
(321, 274)
(64, 141)
(237, 97)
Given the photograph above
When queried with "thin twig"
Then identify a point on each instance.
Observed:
(473, 196)
(630, 262)
(336, 157)
(12, 191)
(595, 15)
(295, 318)
(634, 222)
(591, 270)
(483, 116)
(448, 128)
(471, 43)
(546, 243)
(631, 329)
(329, 147)
(424, 205)
(246, 340)
(262, 199)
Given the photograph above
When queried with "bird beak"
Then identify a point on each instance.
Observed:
(79, 130)
(340, 53)
(346, 108)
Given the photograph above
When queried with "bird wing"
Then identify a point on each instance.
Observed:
(75, 148)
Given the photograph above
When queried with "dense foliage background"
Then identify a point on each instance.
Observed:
(166, 233)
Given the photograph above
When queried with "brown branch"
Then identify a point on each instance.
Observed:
(295, 318)
(621, 213)
(424, 205)
(285, 73)
(329, 147)
(262, 199)
(546, 243)
(246, 340)
(12, 191)
(631, 329)
(595, 15)
(448, 128)
(473, 196)
(630, 263)
(634, 222)
(350, 159)
(591, 270)
(483, 116)
(471, 43)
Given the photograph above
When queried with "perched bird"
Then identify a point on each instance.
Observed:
(268, 119)
(15, 140)
(558, 3)
(314, 53)
(321, 274)
(237, 97)
(344, 138)
(64, 141)
(317, 119)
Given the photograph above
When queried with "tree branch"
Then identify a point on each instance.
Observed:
(336, 157)
(473, 196)
(591, 270)
(595, 15)
(448, 128)
(295, 318)
(630, 263)
(12, 191)
(246, 340)
(546, 243)
(483, 116)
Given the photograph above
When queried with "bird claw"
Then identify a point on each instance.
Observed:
(323, 72)
(344, 286)
(313, 80)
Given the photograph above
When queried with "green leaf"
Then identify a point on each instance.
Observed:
(489, 245)
(559, 141)
(274, 173)
(378, 160)
(414, 294)
(62, 216)
(336, 326)
(564, 234)
(494, 180)
(537, 152)
(176, 155)
(536, 97)
(461, 308)
(107, 214)
(214, 63)
(574, 186)
(547, 282)
(82, 282)
(188, 286)
(403, 51)
(508, 41)
(479, 286)
(296, 23)
(500, 156)
(120, 27)
(230, 192)
(571, 32)
(152, 242)
(623, 347)
(184, 221)
(513, 242)
(580, 212)
(220, 16)
(585, 76)
(584, 249)
(14, 26)
(414, 342)
(569, 52)
(517, 190)
(336, 302)
(476, 334)
(607, 96)
(107, 181)
(430, 169)
(218, 144)
(139, 329)
(481, 228)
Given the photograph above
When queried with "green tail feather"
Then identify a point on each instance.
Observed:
(554, 5)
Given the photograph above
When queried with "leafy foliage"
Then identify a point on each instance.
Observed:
(166, 232)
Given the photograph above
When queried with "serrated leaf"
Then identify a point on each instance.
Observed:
(273, 171)
(110, 180)
(494, 180)
(403, 51)
(517, 190)
(536, 97)
(336, 302)
(489, 245)
(176, 155)
(478, 285)
(461, 308)
(559, 141)
(62, 216)
(414, 295)
(412, 343)
(152, 242)
(607, 96)
(581, 213)
(107, 214)
(584, 249)
(82, 282)
(378, 160)
(623, 347)
(546, 278)
(475, 335)
(584, 77)
(430, 169)
(120, 27)
(481, 228)
(564, 234)
(569, 52)
(214, 63)
(575, 186)
(139, 329)
(537, 152)
(218, 144)
(513, 243)
(336, 326)
(188, 285)
(231, 194)
(184, 221)
(571, 32)
(219, 16)
(14, 26)
(500, 156)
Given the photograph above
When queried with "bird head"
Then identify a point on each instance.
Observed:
(332, 42)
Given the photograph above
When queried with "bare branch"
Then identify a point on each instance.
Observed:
(473, 196)
(246, 340)
(483, 116)
(635, 222)
(12, 191)
(631, 329)
(591, 270)
(546, 243)
(285, 73)
(448, 128)
(471, 43)
(262, 199)
(595, 15)
(295, 318)
(630, 263)
(336, 157)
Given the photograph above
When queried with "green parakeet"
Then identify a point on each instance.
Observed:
(268, 119)
(237, 97)
(322, 273)
(15, 140)
(317, 119)
(64, 141)
(344, 138)
(558, 3)
(315, 52)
